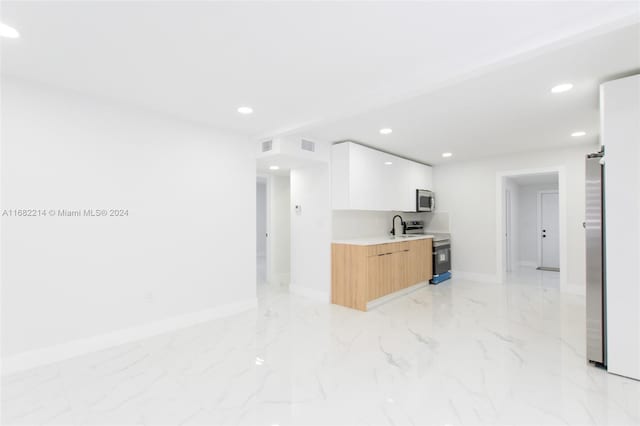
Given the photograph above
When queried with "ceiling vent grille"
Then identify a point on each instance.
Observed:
(267, 146)
(307, 145)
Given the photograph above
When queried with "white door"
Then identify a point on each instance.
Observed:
(549, 230)
(507, 231)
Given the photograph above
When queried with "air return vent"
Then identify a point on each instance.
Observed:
(267, 146)
(307, 145)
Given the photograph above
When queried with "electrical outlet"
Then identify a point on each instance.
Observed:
(149, 297)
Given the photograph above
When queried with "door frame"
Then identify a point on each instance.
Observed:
(508, 207)
(500, 219)
(539, 219)
(264, 179)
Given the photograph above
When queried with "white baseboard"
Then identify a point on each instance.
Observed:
(51, 354)
(310, 293)
(528, 264)
(474, 276)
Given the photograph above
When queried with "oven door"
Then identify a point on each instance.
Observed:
(425, 201)
(441, 257)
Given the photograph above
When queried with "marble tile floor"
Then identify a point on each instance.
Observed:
(460, 353)
(525, 275)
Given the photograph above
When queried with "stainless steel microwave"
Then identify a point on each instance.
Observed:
(425, 201)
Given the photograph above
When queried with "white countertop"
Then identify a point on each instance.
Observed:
(371, 241)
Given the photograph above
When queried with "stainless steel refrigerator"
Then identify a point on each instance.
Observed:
(595, 264)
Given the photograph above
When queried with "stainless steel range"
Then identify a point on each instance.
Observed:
(441, 257)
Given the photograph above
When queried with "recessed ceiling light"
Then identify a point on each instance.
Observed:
(259, 361)
(388, 163)
(578, 134)
(245, 110)
(446, 154)
(9, 32)
(274, 167)
(561, 88)
(385, 131)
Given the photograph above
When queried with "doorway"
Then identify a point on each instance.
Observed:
(273, 232)
(531, 227)
(549, 231)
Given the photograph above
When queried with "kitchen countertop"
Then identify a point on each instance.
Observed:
(372, 241)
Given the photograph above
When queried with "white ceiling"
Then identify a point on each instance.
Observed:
(507, 110)
(304, 64)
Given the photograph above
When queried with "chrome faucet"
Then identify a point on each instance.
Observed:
(393, 225)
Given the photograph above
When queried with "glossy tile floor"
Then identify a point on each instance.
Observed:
(524, 275)
(458, 353)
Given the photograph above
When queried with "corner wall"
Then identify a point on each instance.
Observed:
(311, 232)
(279, 239)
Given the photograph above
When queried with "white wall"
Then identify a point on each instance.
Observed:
(179, 251)
(437, 221)
(311, 232)
(261, 218)
(620, 109)
(528, 222)
(467, 190)
(279, 230)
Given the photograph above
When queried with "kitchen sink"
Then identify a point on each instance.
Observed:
(405, 236)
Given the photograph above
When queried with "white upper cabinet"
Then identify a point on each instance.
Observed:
(367, 179)
(415, 176)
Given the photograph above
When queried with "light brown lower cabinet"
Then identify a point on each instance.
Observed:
(360, 274)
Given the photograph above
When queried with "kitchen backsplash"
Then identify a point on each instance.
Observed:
(437, 222)
(363, 224)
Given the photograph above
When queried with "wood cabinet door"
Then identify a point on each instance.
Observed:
(400, 267)
(419, 261)
(381, 276)
(388, 273)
